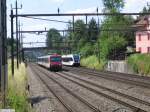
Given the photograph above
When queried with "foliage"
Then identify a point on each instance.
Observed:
(146, 9)
(87, 50)
(90, 39)
(140, 63)
(113, 5)
(92, 30)
(17, 97)
(53, 38)
(115, 41)
(108, 45)
(92, 62)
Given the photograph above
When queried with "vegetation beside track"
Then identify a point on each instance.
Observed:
(140, 63)
(92, 62)
(17, 95)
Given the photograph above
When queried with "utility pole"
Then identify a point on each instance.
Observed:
(17, 43)
(3, 51)
(12, 43)
(73, 23)
(98, 38)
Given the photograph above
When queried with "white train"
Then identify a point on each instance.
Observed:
(71, 60)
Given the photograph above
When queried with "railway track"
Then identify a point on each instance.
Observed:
(107, 89)
(67, 107)
(117, 74)
(93, 108)
(136, 109)
(120, 74)
(109, 76)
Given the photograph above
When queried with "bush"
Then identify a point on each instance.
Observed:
(92, 62)
(87, 50)
(107, 45)
(140, 63)
(17, 96)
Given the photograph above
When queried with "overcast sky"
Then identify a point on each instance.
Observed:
(66, 6)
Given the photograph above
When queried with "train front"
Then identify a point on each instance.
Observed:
(55, 62)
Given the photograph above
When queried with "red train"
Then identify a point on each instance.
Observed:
(52, 62)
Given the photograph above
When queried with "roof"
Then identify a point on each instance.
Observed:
(70, 55)
(46, 56)
(141, 22)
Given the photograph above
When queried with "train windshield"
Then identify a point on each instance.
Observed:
(56, 59)
(76, 57)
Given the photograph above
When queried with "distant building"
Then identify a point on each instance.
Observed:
(143, 34)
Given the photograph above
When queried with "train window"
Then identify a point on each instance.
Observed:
(70, 59)
(55, 59)
(76, 57)
(67, 59)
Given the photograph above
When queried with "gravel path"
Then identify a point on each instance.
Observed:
(38, 94)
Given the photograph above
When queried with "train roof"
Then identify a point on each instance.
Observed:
(47, 56)
(70, 55)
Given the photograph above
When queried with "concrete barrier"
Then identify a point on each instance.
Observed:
(118, 66)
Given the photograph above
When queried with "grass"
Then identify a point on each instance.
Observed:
(17, 96)
(92, 62)
(140, 63)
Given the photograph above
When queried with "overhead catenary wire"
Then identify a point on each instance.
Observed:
(47, 19)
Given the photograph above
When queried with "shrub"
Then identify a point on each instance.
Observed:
(17, 96)
(140, 63)
(92, 62)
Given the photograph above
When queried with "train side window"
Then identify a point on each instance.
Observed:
(70, 59)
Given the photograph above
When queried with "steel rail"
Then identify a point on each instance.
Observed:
(108, 89)
(54, 93)
(136, 109)
(110, 77)
(71, 92)
(119, 73)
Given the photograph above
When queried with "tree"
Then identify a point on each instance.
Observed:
(146, 9)
(92, 30)
(112, 42)
(80, 34)
(113, 5)
(54, 38)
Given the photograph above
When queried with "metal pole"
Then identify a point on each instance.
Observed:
(81, 14)
(12, 44)
(73, 23)
(98, 39)
(0, 43)
(86, 20)
(17, 50)
(3, 36)
(22, 44)
(19, 45)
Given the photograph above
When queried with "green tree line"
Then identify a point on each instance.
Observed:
(92, 39)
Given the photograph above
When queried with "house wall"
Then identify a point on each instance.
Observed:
(144, 43)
